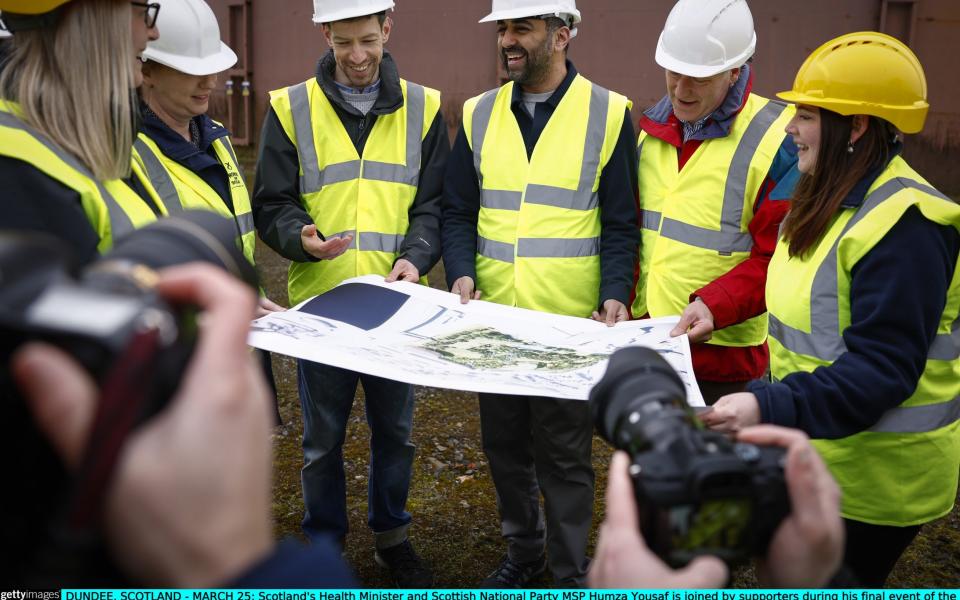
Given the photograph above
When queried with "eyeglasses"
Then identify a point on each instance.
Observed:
(150, 12)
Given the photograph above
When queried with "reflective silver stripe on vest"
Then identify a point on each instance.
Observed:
(481, 121)
(501, 251)
(353, 242)
(314, 179)
(337, 173)
(311, 180)
(724, 242)
(918, 419)
(582, 198)
(120, 223)
(730, 238)
(245, 223)
(159, 177)
(561, 197)
(825, 340)
(558, 247)
(378, 171)
(946, 346)
(380, 242)
(650, 219)
(408, 173)
(736, 188)
(500, 199)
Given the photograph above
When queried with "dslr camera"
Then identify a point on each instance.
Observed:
(697, 491)
(108, 316)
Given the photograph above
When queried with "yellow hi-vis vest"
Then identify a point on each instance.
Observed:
(368, 197)
(903, 470)
(180, 188)
(538, 231)
(113, 209)
(694, 222)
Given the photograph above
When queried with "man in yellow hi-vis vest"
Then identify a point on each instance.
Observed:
(348, 183)
(712, 154)
(539, 213)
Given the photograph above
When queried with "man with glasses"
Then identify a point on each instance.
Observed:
(711, 154)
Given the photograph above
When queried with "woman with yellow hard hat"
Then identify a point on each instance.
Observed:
(68, 118)
(864, 299)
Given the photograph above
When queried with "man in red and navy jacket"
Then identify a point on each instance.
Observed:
(716, 170)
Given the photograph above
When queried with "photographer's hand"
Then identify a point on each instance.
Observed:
(623, 559)
(732, 412)
(807, 548)
(189, 501)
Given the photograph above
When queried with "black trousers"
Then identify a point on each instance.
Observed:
(540, 446)
(873, 550)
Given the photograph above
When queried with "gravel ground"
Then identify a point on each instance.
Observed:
(452, 498)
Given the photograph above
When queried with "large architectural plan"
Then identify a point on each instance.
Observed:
(411, 333)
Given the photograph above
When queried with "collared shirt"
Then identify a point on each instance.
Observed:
(690, 129)
(362, 99)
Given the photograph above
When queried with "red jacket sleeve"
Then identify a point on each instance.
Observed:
(738, 295)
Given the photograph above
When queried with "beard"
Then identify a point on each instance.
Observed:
(535, 68)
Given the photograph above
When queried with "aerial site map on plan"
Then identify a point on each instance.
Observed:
(419, 335)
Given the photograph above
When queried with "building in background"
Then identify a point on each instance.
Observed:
(277, 44)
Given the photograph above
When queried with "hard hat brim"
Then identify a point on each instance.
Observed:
(910, 121)
(207, 65)
(668, 62)
(353, 12)
(524, 13)
(30, 7)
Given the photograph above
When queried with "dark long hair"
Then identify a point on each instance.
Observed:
(818, 195)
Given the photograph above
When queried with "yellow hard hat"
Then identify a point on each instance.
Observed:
(30, 7)
(864, 73)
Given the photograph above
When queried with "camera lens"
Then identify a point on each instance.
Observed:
(638, 389)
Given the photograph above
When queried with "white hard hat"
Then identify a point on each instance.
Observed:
(3, 32)
(189, 39)
(519, 9)
(704, 37)
(328, 11)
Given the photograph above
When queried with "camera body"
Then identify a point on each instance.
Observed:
(109, 318)
(697, 491)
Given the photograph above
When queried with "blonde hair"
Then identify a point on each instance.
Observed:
(74, 82)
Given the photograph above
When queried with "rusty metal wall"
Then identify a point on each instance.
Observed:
(439, 43)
